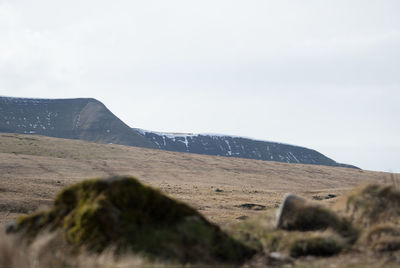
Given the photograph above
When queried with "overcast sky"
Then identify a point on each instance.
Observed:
(319, 74)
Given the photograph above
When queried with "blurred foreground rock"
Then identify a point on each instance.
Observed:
(122, 213)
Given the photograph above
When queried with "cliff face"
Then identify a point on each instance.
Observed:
(231, 146)
(86, 119)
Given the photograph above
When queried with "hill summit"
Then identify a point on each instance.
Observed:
(84, 119)
(89, 119)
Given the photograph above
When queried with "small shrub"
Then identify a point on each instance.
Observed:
(386, 244)
(317, 246)
(380, 230)
(374, 204)
(382, 237)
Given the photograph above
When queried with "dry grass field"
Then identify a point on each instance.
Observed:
(35, 168)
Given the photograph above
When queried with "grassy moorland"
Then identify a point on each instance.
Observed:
(241, 195)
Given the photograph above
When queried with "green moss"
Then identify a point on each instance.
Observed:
(274, 241)
(122, 212)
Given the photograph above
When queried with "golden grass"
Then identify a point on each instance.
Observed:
(48, 250)
(373, 249)
(35, 168)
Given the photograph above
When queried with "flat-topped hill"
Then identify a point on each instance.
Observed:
(89, 119)
(234, 146)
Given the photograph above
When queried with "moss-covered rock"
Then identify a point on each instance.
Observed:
(122, 212)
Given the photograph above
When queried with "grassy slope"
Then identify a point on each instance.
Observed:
(35, 168)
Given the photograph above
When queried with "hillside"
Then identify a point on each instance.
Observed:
(35, 168)
(232, 146)
(84, 119)
(89, 119)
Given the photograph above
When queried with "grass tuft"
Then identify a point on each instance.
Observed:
(374, 204)
(319, 245)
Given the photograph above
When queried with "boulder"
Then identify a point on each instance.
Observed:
(298, 214)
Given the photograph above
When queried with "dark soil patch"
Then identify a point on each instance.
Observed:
(252, 206)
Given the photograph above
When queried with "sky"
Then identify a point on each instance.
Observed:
(319, 74)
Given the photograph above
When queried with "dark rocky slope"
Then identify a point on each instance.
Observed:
(85, 119)
(232, 146)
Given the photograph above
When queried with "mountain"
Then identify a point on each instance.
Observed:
(233, 146)
(88, 119)
(84, 119)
